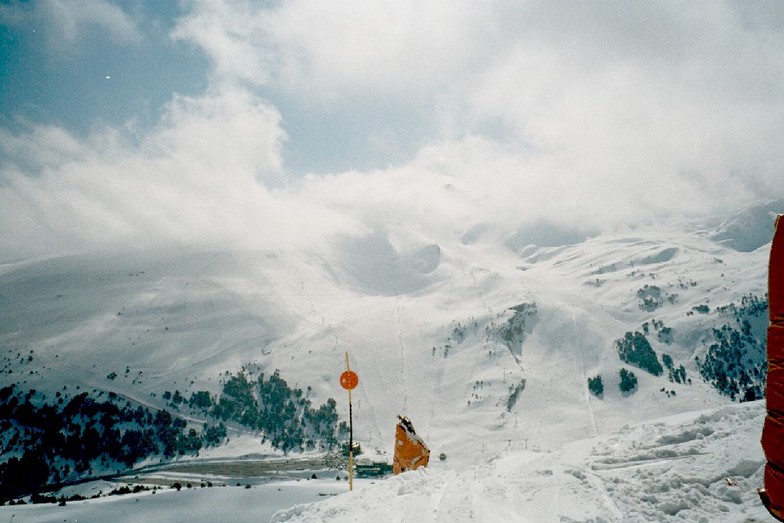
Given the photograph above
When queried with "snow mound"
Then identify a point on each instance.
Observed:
(700, 467)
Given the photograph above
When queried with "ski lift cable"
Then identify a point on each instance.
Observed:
(434, 393)
(399, 318)
(581, 353)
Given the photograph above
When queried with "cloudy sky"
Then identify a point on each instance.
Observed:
(282, 124)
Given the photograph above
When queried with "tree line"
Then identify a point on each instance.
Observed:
(52, 442)
(285, 415)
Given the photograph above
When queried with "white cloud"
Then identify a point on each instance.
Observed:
(232, 35)
(324, 49)
(63, 23)
(42, 147)
(197, 179)
(70, 18)
(600, 114)
(628, 89)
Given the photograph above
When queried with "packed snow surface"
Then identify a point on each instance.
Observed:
(701, 466)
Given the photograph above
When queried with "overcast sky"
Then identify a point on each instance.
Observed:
(280, 124)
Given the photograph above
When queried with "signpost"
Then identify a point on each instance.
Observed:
(349, 380)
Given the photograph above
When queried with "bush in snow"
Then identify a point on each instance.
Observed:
(735, 363)
(596, 386)
(628, 381)
(635, 349)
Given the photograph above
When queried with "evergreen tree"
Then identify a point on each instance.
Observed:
(596, 386)
(635, 349)
(628, 381)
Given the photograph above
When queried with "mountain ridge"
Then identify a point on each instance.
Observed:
(425, 339)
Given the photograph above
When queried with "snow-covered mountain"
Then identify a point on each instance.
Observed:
(485, 340)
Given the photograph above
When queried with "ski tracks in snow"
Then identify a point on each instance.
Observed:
(532, 487)
(581, 355)
(675, 469)
(699, 469)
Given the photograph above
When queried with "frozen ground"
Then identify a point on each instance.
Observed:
(420, 317)
(702, 467)
(216, 504)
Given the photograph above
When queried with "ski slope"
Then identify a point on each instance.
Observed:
(700, 466)
(421, 315)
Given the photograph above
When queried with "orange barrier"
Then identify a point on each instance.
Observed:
(410, 450)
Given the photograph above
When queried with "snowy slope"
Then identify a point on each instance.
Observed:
(701, 467)
(422, 315)
(177, 321)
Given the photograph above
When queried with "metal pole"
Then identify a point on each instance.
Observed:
(350, 436)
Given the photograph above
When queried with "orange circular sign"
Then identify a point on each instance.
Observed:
(349, 379)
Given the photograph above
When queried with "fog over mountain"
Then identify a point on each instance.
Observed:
(231, 124)
(540, 230)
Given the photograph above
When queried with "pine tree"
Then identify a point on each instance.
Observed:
(628, 380)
